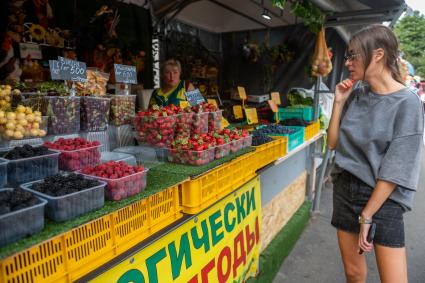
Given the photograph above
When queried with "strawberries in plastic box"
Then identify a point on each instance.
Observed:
(156, 126)
(200, 119)
(122, 180)
(194, 150)
(76, 153)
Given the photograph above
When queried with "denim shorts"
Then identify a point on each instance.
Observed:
(350, 196)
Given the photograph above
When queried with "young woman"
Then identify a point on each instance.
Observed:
(172, 89)
(376, 130)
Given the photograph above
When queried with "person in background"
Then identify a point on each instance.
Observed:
(376, 131)
(172, 89)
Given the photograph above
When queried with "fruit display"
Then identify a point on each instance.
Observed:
(184, 123)
(274, 129)
(260, 138)
(94, 114)
(63, 112)
(60, 185)
(156, 126)
(122, 180)
(76, 153)
(123, 109)
(214, 121)
(68, 196)
(13, 200)
(222, 150)
(7, 95)
(21, 214)
(22, 123)
(29, 163)
(200, 124)
(236, 137)
(191, 157)
(194, 150)
(95, 85)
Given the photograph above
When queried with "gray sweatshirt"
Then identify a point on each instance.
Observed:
(380, 138)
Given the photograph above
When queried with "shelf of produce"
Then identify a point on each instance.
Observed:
(67, 251)
(80, 250)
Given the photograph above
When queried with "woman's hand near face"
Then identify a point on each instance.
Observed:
(343, 90)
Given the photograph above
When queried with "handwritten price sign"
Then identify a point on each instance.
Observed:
(72, 70)
(125, 74)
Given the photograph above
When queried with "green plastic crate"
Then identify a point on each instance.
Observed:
(300, 112)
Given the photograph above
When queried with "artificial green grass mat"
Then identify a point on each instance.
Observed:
(193, 171)
(157, 182)
(279, 248)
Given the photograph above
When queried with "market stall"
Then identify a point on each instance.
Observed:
(99, 189)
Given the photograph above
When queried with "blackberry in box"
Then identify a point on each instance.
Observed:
(68, 195)
(29, 163)
(21, 214)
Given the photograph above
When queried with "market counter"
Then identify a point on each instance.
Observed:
(80, 247)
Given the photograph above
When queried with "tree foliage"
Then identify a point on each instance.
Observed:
(411, 33)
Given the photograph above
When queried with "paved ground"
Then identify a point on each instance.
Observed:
(315, 258)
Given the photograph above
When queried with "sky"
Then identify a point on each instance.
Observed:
(416, 5)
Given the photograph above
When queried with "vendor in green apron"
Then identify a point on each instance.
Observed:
(172, 89)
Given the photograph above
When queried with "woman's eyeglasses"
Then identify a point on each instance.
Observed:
(351, 57)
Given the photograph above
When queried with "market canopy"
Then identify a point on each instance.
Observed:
(225, 16)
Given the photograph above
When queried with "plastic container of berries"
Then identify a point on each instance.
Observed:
(222, 150)
(184, 123)
(70, 206)
(200, 123)
(118, 156)
(63, 112)
(21, 223)
(73, 160)
(191, 157)
(156, 131)
(236, 145)
(247, 141)
(24, 170)
(3, 172)
(122, 188)
(214, 121)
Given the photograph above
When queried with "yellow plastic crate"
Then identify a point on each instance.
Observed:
(311, 130)
(73, 254)
(271, 151)
(199, 193)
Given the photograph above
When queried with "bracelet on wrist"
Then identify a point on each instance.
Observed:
(363, 220)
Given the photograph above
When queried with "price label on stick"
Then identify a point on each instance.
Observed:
(273, 106)
(213, 102)
(55, 72)
(251, 116)
(125, 74)
(194, 97)
(237, 111)
(72, 70)
(242, 92)
(276, 98)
